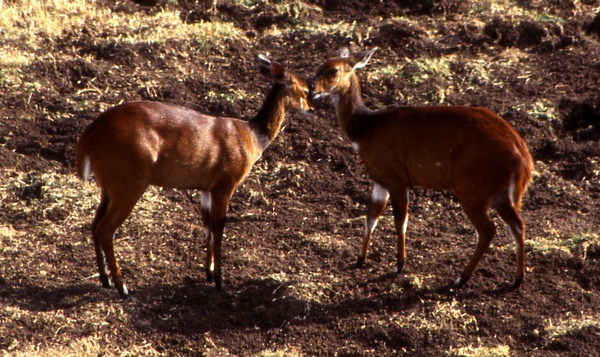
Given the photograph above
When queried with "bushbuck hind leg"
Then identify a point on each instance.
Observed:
(478, 215)
(511, 217)
(379, 200)
(100, 260)
(205, 201)
(117, 210)
(400, 207)
(218, 210)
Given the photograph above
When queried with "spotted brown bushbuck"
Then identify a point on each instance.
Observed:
(469, 151)
(134, 145)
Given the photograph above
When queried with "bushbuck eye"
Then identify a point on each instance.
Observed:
(331, 72)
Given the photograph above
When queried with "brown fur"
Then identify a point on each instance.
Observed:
(469, 151)
(134, 145)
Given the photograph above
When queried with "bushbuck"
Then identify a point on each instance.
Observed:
(134, 145)
(469, 151)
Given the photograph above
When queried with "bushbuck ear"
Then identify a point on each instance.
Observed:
(272, 69)
(366, 56)
(264, 65)
(343, 53)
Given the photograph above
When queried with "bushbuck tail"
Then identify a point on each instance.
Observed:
(134, 145)
(469, 151)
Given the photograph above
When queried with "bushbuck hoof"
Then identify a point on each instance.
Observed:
(219, 284)
(449, 288)
(506, 287)
(106, 282)
(399, 268)
(459, 283)
(210, 275)
(123, 292)
(359, 262)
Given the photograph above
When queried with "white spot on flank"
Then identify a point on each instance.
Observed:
(380, 194)
(438, 164)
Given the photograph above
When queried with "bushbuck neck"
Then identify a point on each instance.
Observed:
(267, 122)
(337, 79)
(281, 98)
(350, 110)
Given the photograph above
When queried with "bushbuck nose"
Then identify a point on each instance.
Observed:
(311, 89)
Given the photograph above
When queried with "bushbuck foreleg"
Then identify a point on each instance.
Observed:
(218, 210)
(400, 207)
(486, 230)
(118, 209)
(100, 260)
(379, 200)
(509, 214)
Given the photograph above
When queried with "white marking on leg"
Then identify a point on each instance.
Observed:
(511, 189)
(517, 231)
(205, 200)
(370, 225)
(405, 224)
(87, 168)
(355, 146)
(211, 245)
(380, 194)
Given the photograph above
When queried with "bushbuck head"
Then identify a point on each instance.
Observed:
(296, 88)
(336, 75)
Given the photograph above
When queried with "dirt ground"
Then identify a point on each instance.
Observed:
(294, 227)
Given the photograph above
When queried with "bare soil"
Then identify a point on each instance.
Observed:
(295, 225)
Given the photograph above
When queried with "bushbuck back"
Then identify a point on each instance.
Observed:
(134, 145)
(469, 151)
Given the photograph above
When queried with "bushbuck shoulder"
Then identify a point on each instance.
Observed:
(469, 151)
(134, 145)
